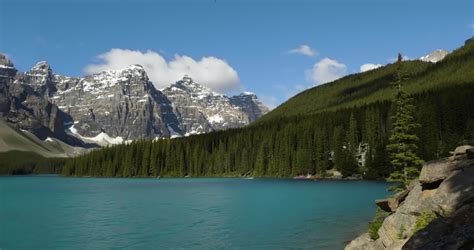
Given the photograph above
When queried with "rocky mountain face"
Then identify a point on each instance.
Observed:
(27, 109)
(435, 56)
(114, 106)
(436, 212)
(117, 105)
(200, 110)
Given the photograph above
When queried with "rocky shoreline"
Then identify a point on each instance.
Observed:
(436, 212)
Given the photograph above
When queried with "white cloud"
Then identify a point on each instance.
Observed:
(471, 26)
(211, 72)
(303, 50)
(369, 66)
(326, 70)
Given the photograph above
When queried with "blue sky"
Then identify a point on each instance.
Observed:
(245, 44)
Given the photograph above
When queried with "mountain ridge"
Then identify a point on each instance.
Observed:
(115, 106)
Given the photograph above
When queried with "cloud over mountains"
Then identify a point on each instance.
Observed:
(210, 71)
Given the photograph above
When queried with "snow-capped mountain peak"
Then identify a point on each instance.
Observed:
(435, 56)
(200, 110)
(187, 84)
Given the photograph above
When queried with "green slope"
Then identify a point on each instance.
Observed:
(375, 85)
(13, 139)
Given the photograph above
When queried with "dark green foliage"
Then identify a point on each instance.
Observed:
(315, 131)
(20, 163)
(403, 140)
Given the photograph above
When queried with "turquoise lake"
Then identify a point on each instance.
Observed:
(196, 213)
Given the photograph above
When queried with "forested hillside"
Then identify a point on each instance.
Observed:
(374, 85)
(335, 125)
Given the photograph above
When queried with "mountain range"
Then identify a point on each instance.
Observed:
(115, 106)
(118, 106)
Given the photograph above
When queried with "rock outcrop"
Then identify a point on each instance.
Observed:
(445, 188)
(28, 109)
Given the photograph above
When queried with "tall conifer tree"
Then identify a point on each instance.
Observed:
(402, 141)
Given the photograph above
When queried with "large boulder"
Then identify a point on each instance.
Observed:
(419, 201)
(456, 190)
(461, 150)
(436, 171)
(454, 232)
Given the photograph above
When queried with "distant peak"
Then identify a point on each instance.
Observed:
(187, 84)
(435, 56)
(42, 67)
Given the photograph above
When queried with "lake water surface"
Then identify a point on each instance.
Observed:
(200, 213)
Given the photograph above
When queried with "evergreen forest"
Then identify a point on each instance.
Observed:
(345, 124)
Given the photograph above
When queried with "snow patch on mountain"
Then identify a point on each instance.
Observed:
(101, 139)
(434, 56)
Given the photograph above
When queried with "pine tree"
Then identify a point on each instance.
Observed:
(402, 141)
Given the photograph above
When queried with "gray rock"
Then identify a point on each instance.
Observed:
(396, 228)
(200, 110)
(461, 150)
(435, 171)
(454, 232)
(392, 203)
(456, 190)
